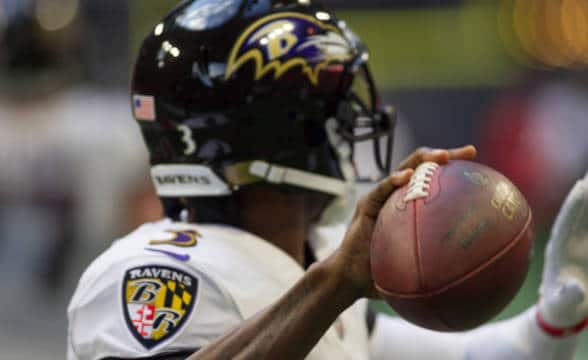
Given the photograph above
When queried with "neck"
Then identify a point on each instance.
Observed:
(278, 218)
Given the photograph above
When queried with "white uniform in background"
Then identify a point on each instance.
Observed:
(78, 148)
(169, 287)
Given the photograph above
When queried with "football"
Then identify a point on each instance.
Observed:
(452, 248)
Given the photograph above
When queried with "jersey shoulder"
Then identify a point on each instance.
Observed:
(175, 287)
(133, 302)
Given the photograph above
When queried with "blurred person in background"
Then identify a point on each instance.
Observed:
(536, 133)
(67, 152)
(250, 110)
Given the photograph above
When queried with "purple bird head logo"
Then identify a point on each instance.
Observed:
(280, 42)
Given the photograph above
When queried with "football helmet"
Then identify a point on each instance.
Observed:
(230, 93)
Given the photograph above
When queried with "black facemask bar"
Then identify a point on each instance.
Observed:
(363, 119)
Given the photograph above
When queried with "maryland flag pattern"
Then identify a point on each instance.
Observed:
(157, 301)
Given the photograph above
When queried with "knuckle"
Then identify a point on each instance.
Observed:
(367, 205)
(362, 205)
(422, 151)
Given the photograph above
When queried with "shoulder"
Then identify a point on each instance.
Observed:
(217, 251)
(134, 302)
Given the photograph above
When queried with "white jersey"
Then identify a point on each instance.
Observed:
(170, 287)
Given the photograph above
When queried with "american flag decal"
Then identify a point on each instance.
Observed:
(144, 107)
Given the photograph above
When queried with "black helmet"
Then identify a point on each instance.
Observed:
(230, 93)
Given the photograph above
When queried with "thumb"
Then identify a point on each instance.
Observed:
(377, 197)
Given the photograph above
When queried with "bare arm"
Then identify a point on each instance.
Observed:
(291, 327)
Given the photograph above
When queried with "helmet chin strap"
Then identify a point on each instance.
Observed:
(338, 212)
(186, 180)
(250, 172)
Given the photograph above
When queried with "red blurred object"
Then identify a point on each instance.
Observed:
(510, 145)
(535, 135)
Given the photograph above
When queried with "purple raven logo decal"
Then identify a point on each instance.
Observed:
(283, 41)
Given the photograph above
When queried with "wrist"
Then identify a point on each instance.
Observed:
(335, 276)
(559, 331)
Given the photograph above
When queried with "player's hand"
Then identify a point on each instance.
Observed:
(564, 290)
(353, 257)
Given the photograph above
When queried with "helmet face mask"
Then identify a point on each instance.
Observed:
(275, 93)
(362, 119)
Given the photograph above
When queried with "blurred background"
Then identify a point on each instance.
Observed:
(509, 76)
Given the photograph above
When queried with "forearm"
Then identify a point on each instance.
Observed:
(519, 338)
(292, 326)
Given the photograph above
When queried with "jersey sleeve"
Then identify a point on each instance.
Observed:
(147, 306)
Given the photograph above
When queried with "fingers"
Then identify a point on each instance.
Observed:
(572, 292)
(570, 232)
(562, 304)
(464, 153)
(564, 285)
(439, 156)
(418, 157)
(374, 201)
(574, 209)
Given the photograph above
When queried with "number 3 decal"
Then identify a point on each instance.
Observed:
(188, 139)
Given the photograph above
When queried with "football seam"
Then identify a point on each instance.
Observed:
(468, 275)
(418, 249)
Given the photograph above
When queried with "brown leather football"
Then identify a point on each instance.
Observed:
(452, 248)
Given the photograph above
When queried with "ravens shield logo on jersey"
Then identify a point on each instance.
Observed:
(157, 301)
